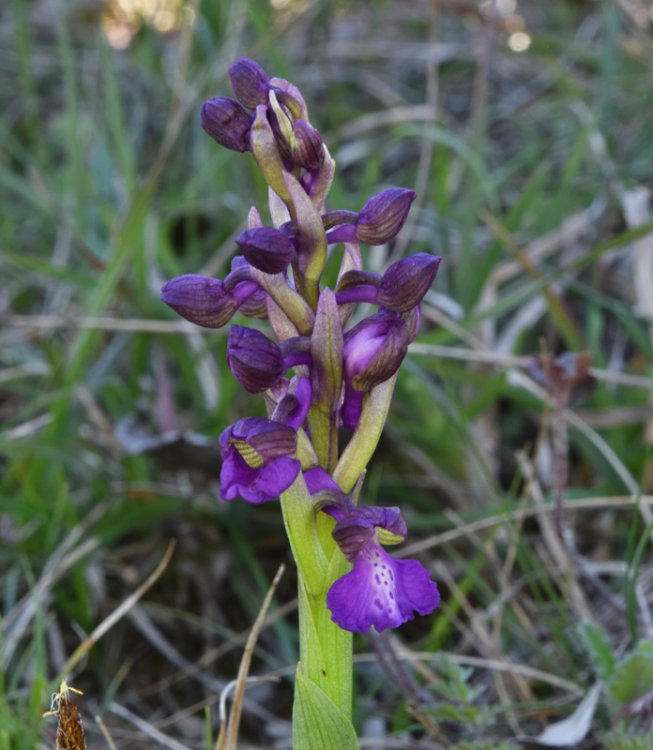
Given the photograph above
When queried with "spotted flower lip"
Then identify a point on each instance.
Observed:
(257, 460)
(380, 591)
(227, 122)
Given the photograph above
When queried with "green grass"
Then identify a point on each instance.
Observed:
(109, 188)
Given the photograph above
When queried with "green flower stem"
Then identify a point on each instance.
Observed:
(325, 650)
(301, 527)
(363, 442)
(325, 670)
(324, 437)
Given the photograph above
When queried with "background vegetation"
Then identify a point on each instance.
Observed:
(525, 128)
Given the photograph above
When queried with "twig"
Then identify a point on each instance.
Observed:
(228, 737)
(87, 644)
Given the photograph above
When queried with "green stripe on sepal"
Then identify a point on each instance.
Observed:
(317, 723)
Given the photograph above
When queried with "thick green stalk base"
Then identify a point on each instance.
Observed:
(323, 686)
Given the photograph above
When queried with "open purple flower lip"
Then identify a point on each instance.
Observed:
(380, 591)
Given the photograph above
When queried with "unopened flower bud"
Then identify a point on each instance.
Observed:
(405, 282)
(201, 300)
(374, 350)
(254, 359)
(383, 216)
(267, 249)
(227, 123)
(249, 82)
(306, 146)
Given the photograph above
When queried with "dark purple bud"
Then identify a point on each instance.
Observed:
(383, 216)
(249, 82)
(199, 299)
(374, 350)
(306, 146)
(254, 359)
(267, 249)
(257, 460)
(405, 282)
(227, 123)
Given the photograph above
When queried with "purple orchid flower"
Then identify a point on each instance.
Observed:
(380, 591)
(373, 351)
(209, 302)
(401, 288)
(227, 122)
(257, 459)
(257, 362)
(379, 221)
(266, 248)
(249, 82)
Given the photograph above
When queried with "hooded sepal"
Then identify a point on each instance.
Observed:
(266, 248)
(405, 282)
(383, 216)
(258, 461)
(200, 299)
(227, 122)
(249, 82)
(255, 360)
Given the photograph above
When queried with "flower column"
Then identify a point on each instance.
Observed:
(341, 377)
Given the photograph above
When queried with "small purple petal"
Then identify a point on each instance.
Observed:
(317, 479)
(306, 145)
(256, 485)
(350, 411)
(293, 408)
(381, 592)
